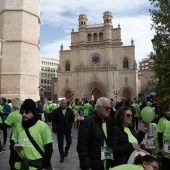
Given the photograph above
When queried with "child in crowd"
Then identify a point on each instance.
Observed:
(145, 163)
(162, 142)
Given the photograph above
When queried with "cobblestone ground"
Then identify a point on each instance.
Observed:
(70, 163)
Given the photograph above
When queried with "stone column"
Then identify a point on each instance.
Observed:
(20, 28)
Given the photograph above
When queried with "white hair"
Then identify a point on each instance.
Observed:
(100, 101)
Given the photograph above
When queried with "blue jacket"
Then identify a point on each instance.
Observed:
(6, 111)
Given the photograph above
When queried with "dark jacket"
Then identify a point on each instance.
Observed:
(62, 123)
(90, 141)
(118, 141)
(6, 111)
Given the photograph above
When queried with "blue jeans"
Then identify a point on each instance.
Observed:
(68, 138)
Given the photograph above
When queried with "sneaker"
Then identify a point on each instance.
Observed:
(1, 151)
(65, 154)
(61, 159)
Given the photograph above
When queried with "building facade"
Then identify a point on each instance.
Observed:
(145, 84)
(48, 71)
(20, 63)
(97, 63)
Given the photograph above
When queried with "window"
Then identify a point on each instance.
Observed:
(101, 36)
(94, 37)
(89, 37)
(67, 66)
(41, 80)
(125, 63)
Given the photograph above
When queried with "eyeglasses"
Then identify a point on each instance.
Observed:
(153, 166)
(129, 115)
(25, 111)
(106, 108)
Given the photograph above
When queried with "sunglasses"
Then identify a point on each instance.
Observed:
(129, 115)
(106, 108)
(25, 111)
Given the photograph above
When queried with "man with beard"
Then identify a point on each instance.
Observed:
(33, 140)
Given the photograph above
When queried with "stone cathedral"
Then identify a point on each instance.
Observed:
(20, 62)
(97, 63)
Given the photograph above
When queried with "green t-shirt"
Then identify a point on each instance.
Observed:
(1, 108)
(14, 119)
(86, 109)
(137, 110)
(131, 138)
(40, 133)
(163, 127)
(77, 107)
(105, 132)
(128, 167)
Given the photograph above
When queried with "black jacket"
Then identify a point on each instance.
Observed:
(90, 141)
(62, 123)
(118, 141)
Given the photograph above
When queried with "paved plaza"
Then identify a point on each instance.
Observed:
(70, 163)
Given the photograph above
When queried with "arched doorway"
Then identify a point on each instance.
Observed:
(96, 93)
(126, 94)
(68, 95)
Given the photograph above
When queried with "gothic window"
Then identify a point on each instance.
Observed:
(125, 63)
(89, 37)
(67, 66)
(101, 36)
(94, 37)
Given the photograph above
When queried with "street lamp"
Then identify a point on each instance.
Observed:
(41, 89)
(116, 93)
(72, 94)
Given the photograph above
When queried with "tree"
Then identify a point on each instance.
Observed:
(160, 16)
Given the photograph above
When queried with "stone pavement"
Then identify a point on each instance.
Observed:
(71, 162)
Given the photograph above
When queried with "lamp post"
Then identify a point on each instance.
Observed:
(116, 93)
(41, 90)
(72, 94)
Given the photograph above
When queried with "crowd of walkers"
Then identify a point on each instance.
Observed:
(108, 133)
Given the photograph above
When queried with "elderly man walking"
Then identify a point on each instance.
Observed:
(62, 123)
(93, 133)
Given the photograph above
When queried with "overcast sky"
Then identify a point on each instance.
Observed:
(58, 17)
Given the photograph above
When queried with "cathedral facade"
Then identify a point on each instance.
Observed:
(97, 63)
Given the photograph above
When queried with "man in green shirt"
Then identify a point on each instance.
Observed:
(29, 156)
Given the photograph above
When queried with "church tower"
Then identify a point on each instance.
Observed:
(82, 28)
(107, 17)
(20, 28)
